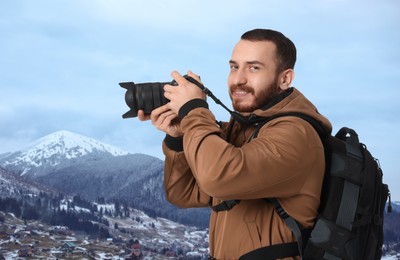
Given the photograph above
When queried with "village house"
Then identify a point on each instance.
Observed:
(136, 252)
(3, 232)
(68, 247)
(25, 251)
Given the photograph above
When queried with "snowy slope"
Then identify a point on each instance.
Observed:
(15, 186)
(57, 150)
(69, 144)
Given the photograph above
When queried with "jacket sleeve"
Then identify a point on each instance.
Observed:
(180, 186)
(286, 154)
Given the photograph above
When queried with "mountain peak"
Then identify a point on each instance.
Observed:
(53, 149)
(64, 142)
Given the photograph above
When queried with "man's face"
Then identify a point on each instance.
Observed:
(253, 77)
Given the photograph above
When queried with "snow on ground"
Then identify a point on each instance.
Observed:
(392, 257)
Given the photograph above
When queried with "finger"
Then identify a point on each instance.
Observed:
(159, 110)
(164, 121)
(167, 119)
(195, 76)
(142, 116)
(158, 115)
(178, 78)
(168, 90)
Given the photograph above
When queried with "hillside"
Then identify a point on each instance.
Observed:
(95, 230)
(75, 164)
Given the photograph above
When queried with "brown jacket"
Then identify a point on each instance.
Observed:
(285, 161)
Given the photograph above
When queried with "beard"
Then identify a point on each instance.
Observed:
(259, 100)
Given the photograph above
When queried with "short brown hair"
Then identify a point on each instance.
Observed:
(286, 50)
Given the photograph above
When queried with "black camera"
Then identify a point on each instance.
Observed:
(148, 96)
(144, 96)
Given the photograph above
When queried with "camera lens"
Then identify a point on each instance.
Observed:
(143, 96)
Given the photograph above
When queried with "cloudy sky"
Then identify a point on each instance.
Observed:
(61, 62)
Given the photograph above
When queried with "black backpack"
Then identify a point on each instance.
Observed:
(350, 220)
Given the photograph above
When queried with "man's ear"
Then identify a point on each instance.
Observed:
(285, 79)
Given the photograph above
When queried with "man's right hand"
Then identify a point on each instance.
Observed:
(164, 120)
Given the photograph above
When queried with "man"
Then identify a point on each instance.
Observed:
(206, 164)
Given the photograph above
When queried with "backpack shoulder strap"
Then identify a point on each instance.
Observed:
(225, 205)
(311, 120)
(302, 234)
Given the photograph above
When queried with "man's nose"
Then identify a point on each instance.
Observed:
(240, 78)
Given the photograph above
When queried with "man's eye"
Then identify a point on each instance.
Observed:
(254, 68)
(234, 67)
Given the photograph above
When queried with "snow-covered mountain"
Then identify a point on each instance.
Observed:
(75, 164)
(70, 145)
(56, 151)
